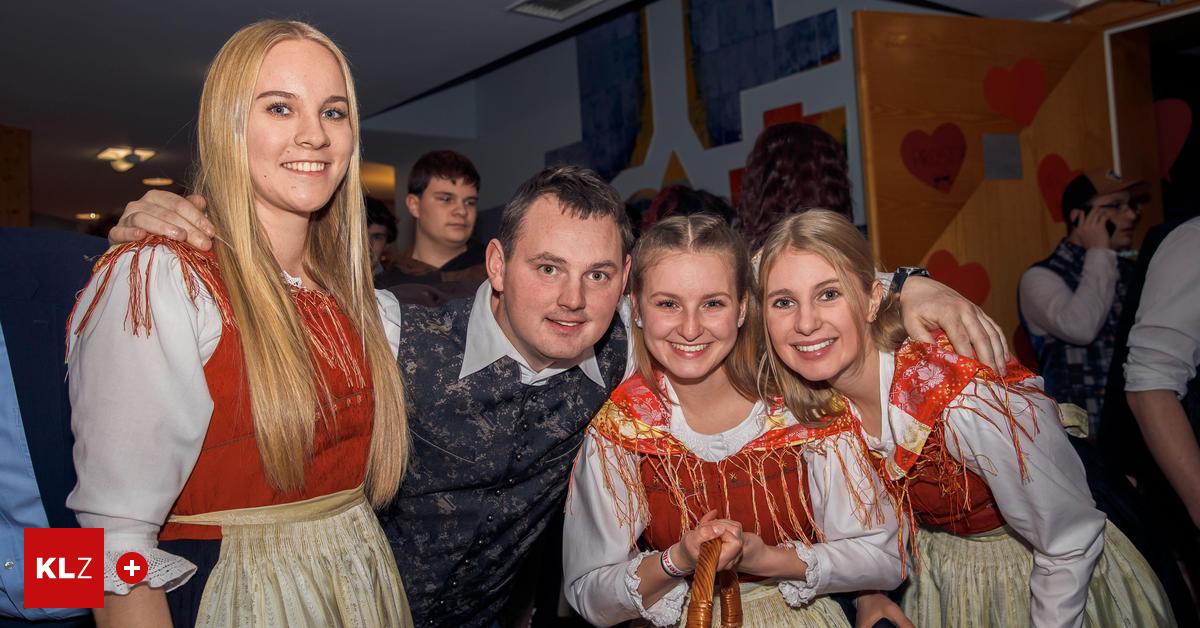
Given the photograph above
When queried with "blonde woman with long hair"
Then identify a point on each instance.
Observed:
(238, 413)
(1009, 534)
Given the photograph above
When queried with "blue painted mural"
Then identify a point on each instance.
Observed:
(735, 46)
(613, 96)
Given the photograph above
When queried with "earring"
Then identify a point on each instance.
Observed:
(638, 322)
(740, 321)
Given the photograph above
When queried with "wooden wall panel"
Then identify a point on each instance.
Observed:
(16, 188)
(917, 72)
(1005, 226)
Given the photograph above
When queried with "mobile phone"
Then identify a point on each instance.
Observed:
(1109, 225)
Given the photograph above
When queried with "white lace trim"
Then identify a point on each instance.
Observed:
(668, 609)
(716, 447)
(801, 592)
(164, 570)
(295, 282)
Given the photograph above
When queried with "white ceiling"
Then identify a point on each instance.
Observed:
(85, 75)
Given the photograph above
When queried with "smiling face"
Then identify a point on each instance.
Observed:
(690, 313)
(812, 324)
(559, 288)
(298, 135)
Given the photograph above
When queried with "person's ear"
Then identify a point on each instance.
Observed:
(877, 293)
(495, 264)
(413, 203)
(742, 310)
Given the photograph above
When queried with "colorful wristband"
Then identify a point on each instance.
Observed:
(669, 567)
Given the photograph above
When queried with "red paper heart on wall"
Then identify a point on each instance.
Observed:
(970, 279)
(937, 158)
(1017, 93)
(1173, 118)
(1053, 176)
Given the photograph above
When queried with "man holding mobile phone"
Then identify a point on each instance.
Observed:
(1070, 302)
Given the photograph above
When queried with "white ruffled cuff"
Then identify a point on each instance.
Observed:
(801, 592)
(668, 609)
(164, 571)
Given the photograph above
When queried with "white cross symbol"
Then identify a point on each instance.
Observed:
(132, 568)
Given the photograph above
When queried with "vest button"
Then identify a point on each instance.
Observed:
(8, 564)
(525, 425)
(491, 518)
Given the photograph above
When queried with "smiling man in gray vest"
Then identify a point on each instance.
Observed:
(501, 385)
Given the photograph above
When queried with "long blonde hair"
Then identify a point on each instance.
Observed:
(284, 393)
(831, 236)
(700, 233)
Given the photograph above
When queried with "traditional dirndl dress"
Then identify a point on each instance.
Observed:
(233, 550)
(974, 567)
(662, 487)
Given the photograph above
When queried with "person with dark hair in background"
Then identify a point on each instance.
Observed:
(1070, 303)
(443, 192)
(793, 167)
(680, 199)
(381, 231)
(42, 272)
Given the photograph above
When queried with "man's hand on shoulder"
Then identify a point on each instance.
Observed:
(928, 305)
(165, 214)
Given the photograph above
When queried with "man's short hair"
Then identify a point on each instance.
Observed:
(442, 164)
(379, 214)
(580, 191)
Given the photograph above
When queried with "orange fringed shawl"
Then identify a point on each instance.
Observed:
(763, 486)
(935, 489)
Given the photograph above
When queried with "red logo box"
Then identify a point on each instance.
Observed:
(64, 567)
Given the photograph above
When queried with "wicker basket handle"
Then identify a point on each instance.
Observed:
(700, 604)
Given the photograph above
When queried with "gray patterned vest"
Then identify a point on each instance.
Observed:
(490, 462)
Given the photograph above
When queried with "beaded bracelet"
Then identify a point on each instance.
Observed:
(664, 559)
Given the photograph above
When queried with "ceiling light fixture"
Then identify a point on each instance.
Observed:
(158, 181)
(122, 158)
(557, 10)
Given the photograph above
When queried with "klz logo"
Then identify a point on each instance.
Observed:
(64, 567)
(45, 568)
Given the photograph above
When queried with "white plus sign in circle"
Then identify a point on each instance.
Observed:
(131, 567)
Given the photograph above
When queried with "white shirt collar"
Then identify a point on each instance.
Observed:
(487, 343)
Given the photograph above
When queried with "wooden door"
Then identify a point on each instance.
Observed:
(970, 129)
